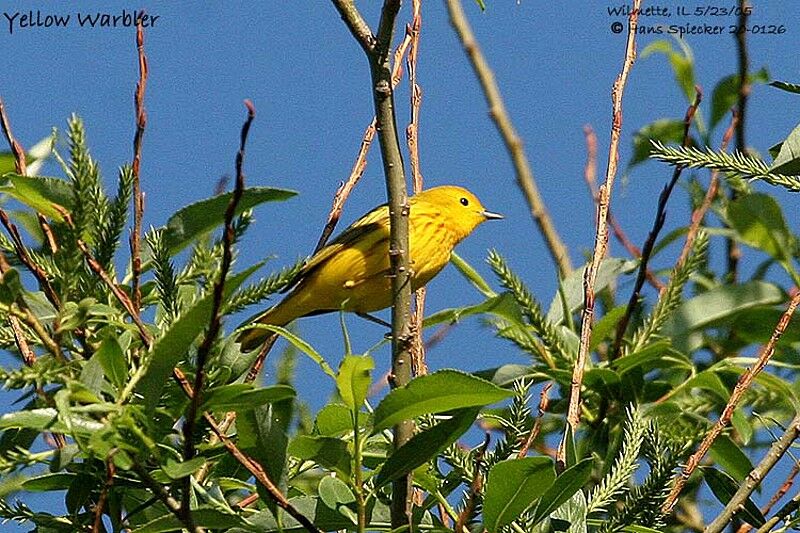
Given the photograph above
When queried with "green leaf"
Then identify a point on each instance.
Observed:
(469, 272)
(39, 193)
(759, 222)
(328, 452)
(243, 396)
(731, 458)
(354, 379)
(205, 517)
(610, 269)
(716, 304)
(112, 360)
(724, 487)
(668, 131)
(303, 346)
(785, 86)
(568, 483)
(178, 470)
(335, 494)
(335, 419)
(439, 392)
(173, 347)
(658, 354)
(10, 287)
(513, 486)
(788, 158)
(682, 63)
(194, 220)
(426, 444)
(726, 93)
(606, 325)
(502, 305)
(47, 419)
(635, 528)
(48, 482)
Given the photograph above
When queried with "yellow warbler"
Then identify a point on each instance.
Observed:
(352, 273)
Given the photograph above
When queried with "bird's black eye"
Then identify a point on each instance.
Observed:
(464, 202)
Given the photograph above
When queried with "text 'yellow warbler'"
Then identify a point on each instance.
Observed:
(352, 273)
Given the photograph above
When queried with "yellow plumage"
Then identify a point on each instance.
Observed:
(352, 273)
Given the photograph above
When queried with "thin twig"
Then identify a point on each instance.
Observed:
(20, 164)
(356, 24)
(652, 237)
(475, 488)
(138, 195)
(97, 527)
(544, 401)
(754, 478)
(22, 253)
(780, 493)
(590, 176)
(419, 366)
(514, 144)
(734, 252)
(601, 236)
(713, 185)
(216, 320)
(28, 357)
(47, 231)
(741, 387)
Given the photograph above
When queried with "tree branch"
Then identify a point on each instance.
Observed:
(514, 145)
(601, 236)
(138, 195)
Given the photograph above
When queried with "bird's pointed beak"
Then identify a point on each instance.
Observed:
(492, 216)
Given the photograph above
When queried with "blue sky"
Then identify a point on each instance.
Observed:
(555, 63)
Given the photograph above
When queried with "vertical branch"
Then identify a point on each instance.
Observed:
(743, 61)
(412, 138)
(138, 195)
(601, 237)
(741, 387)
(383, 98)
(216, 321)
(514, 145)
(658, 223)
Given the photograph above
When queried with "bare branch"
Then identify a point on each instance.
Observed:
(138, 195)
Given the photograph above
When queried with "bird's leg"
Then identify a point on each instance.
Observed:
(375, 319)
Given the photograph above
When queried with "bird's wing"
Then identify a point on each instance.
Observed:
(376, 223)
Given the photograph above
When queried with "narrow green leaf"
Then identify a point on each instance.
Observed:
(205, 517)
(194, 220)
(178, 470)
(568, 483)
(48, 482)
(243, 396)
(731, 458)
(788, 158)
(47, 419)
(173, 347)
(303, 346)
(354, 379)
(112, 360)
(606, 325)
(469, 272)
(439, 392)
(724, 487)
(425, 445)
(513, 486)
(502, 305)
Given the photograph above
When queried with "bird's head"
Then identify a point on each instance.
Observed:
(463, 210)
